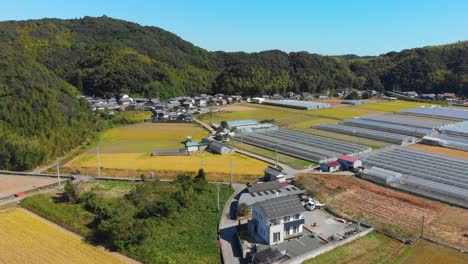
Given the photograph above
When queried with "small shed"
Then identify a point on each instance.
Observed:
(219, 148)
(349, 162)
(274, 174)
(331, 166)
(192, 146)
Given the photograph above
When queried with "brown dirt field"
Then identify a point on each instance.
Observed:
(235, 108)
(10, 184)
(389, 210)
(440, 150)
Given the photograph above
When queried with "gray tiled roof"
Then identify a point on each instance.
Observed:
(281, 206)
(259, 187)
(272, 171)
(250, 199)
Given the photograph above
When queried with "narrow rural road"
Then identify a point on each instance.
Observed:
(230, 249)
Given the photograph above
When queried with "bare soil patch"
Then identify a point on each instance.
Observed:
(440, 150)
(10, 184)
(390, 211)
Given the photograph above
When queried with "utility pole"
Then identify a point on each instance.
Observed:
(230, 169)
(217, 196)
(58, 175)
(98, 163)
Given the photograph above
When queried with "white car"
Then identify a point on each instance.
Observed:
(310, 204)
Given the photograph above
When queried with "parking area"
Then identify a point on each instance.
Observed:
(324, 224)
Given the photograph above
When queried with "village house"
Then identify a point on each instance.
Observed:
(276, 220)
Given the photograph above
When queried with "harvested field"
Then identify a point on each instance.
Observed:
(134, 164)
(345, 112)
(440, 150)
(388, 210)
(392, 106)
(375, 248)
(235, 108)
(426, 252)
(27, 238)
(10, 184)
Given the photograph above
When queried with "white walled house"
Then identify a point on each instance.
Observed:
(277, 219)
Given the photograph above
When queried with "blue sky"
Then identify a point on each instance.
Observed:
(329, 27)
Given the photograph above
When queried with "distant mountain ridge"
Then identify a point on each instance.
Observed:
(45, 63)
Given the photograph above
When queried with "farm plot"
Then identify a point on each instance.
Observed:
(388, 210)
(440, 150)
(11, 184)
(27, 238)
(420, 122)
(300, 145)
(147, 136)
(343, 137)
(434, 176)
(389, 137)
(391, 106)
(133, 165)
(388, 127)
(125, 152)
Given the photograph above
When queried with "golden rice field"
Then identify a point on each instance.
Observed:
(243, 167)
(146, 137)
(392, 106)
(27, 238)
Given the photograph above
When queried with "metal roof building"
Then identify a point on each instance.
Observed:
(244, 122)
(303, 105)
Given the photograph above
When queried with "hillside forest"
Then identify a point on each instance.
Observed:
(46, 64)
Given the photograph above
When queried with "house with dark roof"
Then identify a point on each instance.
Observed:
(274, 174)
(277, 219)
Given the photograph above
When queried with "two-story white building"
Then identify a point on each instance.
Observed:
(277, 219)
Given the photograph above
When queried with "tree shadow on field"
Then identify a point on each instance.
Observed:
(60, 197)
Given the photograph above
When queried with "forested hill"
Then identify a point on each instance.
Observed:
(45, 64)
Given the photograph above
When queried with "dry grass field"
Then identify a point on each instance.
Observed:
(440, 150)
(388, 210)
(10, 184)
(27, 238)
(377, 248)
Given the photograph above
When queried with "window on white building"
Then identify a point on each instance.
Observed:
(295, 229)
(296, 216)
(287, 218)
(276, 236)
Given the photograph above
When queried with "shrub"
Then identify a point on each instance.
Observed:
(243, 209)
(71, 192)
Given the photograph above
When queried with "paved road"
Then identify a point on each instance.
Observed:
(230, 249)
